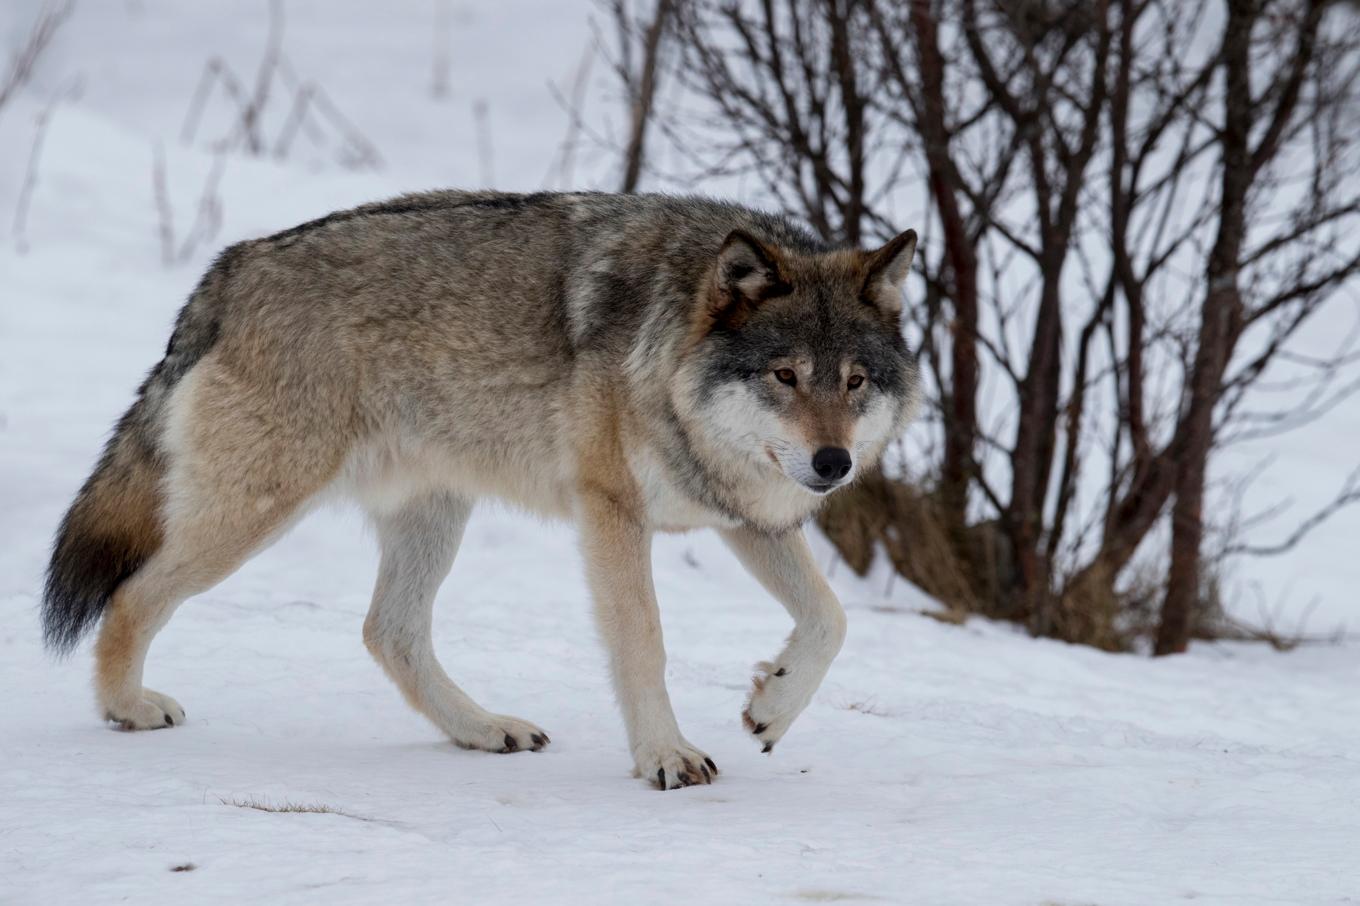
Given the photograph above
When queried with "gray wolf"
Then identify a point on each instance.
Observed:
(634, 363)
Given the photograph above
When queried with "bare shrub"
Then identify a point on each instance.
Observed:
(207, 217)
(1130, 212)
(646, 41)
(310, 110)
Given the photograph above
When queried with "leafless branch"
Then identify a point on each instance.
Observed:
(25, 57)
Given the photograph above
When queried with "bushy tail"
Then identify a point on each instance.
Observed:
(112, 528)
(114, 525)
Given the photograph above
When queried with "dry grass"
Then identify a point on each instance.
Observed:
(882, 511)
(867, 708)
(969, 569)
(311, 808)
(948, 617)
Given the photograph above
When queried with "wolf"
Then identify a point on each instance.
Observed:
(633, 363)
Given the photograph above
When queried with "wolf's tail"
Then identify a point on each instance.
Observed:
(111, 529)
(114, 525)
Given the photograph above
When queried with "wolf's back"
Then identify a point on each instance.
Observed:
(114, 524)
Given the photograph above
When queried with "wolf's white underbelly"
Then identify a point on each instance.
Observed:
(385, 474)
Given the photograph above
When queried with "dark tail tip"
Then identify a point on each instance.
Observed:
(111, 529)
(106, 536)
(84, 572)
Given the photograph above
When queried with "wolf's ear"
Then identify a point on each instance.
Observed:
(887, 270)
(747, 274)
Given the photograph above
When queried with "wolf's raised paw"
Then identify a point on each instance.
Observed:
(501, 734)
(778, 695)
(670, 767)
(152, 712)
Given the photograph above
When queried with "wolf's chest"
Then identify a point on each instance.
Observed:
(670, 509)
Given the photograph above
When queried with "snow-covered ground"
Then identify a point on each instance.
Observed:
(939, 764)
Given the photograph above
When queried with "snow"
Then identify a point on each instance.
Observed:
(938, 764)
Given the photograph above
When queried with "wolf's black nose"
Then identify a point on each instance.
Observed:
(831, 463)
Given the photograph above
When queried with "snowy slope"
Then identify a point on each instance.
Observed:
(939, 764)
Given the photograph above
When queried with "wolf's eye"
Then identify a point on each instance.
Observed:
(856, 381)
(786, 376)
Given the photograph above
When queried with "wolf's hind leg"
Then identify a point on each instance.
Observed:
(783, 687)
(205, 542)
(241, 466)
(419, 542)
(137, 612)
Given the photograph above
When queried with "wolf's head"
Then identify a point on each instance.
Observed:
(796, 361)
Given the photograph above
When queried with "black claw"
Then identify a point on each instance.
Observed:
(510, 744)
(169, 721)
(768, 747)
(661, 777)
(713, 767)
(708, 778)
(780, 672)
(760, 728)
(539, 740)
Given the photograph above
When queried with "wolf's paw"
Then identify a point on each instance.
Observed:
(778, 696)
(151, 712)
(499, 733)
(672, 766)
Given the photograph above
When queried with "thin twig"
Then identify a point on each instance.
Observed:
(485, 154)
(26, 56)
(30, 185)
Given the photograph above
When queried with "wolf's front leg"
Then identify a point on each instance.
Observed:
(618, 567)
(783, 687)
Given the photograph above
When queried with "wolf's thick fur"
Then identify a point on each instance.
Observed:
(634, 363)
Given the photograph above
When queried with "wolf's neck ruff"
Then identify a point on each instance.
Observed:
(707, 487)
